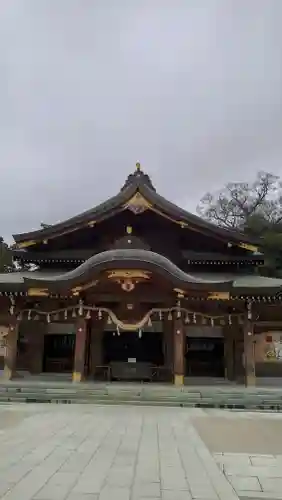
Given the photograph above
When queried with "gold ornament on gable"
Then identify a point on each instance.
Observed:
(128, 279)
(247, 246)
(78, 289)
(137, 204)
(38, 292)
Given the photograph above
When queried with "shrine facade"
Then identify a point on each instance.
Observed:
(139, 289)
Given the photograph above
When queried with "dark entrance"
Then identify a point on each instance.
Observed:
(131, 356)
(129, 345)
(58, 353)
(205, 357)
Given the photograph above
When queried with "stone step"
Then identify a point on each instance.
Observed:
(140, 394)
(72, 397)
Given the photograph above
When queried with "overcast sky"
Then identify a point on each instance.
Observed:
(190, 88)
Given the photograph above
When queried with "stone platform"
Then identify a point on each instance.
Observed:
(85, 452)
(88, 452)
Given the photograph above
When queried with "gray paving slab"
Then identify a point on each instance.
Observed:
(254, 481)
(100, 453)
(78, 496)
(245, 483)
(246, 495)
(271, 484)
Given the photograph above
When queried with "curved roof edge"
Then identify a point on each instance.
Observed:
(128, 258)
(139, 181)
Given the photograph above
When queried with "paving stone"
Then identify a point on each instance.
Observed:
(250, 471)
(77, 462)
(264, 460)
(82, 496)
(175, 495)
(16, 472)
(236, 459)
(114, 493)
(120, 476)
(150, 490)
(245, 483)
(57, 487)
(145, 498)
(259, 495)
(271, 484)
(4, 487)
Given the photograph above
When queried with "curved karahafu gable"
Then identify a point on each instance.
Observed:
(127, 259)
(137, 194)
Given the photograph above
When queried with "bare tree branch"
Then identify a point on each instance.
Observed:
(234, 205)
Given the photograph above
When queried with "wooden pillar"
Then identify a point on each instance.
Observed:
(229, 352)
(79, 352)
(249, 349)
(179, 347)
(96, 347)
(168, 343)
(10, 358)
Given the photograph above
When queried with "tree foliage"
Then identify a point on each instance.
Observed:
(6, 261)
(254, 208)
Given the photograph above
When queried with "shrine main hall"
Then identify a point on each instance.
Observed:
(137, 288)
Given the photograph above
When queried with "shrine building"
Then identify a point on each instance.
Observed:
(137, 288)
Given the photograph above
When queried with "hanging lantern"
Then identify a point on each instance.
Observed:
(229, 320)
(140, 333)
(29, 315)
(118, 331)
(194, 318)
(99, 314)
(178, 314)
(160, 315)
(114, 333)
(212, 322)
(88, 315)
(66, 314)
(48, 318)
(169, 316)
(19, 316)
(109, 321)
(80, 309)
(187, 319)
(73, 314)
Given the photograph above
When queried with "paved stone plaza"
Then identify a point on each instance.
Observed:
(85, 452)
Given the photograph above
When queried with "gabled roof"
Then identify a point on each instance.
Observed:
(132, 259)
(138, 184)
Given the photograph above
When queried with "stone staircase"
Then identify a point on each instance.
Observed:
(232, 397)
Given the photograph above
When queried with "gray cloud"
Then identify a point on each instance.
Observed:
(191, 89)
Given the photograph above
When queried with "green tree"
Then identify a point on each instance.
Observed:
(254, 208)
(6, 261)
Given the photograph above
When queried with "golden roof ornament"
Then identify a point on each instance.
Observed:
(138, 166)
